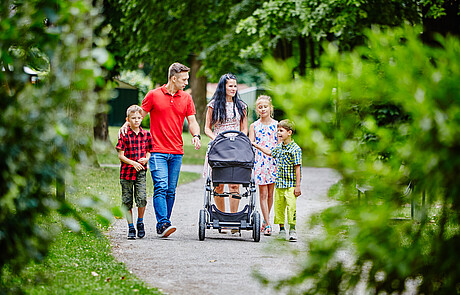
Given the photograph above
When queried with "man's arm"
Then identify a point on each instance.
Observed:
(297, 191)
(194, 129)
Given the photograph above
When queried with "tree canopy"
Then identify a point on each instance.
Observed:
(226, 37)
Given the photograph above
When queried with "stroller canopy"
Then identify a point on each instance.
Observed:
(231, 149)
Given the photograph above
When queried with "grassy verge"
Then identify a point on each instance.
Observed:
(81, 263)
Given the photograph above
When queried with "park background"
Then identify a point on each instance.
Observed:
(372, 86)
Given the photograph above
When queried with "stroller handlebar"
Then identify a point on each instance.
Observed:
(232, 131)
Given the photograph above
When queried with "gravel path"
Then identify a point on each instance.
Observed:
(222, 263)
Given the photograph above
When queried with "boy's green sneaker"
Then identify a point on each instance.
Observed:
(292, 236)
(282, 234)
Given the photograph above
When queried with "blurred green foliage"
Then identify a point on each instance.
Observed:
(45, 128)
(383, 115)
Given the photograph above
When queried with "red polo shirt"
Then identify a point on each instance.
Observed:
(167, 114)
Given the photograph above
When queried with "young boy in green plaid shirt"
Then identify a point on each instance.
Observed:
(288, 157)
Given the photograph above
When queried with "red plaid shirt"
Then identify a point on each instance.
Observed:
(135, 146)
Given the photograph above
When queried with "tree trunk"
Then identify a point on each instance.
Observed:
(311, 51)
(283, 49)
(302, 56)
(198, 85)
(101, 127)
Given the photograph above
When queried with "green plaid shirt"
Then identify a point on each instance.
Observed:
(287, 156)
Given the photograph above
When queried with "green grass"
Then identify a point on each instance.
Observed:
(81, 263)
(106, 153)
(192, 156)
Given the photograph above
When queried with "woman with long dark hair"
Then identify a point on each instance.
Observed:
(226, 111)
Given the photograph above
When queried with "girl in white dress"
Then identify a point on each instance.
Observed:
(263, 132)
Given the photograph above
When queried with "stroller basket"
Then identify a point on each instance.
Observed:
(229, 217)
(231, 158)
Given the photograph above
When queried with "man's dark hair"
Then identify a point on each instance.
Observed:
(177, 68)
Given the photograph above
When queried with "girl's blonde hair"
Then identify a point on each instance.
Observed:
(267, 98)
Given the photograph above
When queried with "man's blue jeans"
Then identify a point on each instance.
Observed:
(165, 170)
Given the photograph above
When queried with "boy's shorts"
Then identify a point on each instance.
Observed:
(136, 188)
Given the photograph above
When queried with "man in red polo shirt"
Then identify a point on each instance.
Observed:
(168, 106)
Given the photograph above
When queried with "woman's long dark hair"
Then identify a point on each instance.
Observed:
(219, 114)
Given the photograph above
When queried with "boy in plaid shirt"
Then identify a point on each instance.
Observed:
(134, 152)
(288, 157)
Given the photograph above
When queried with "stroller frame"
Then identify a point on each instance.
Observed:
(211, 217)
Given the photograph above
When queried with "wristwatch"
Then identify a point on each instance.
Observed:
(197, 135)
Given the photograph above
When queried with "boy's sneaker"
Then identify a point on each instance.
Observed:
(132, 234)
(282, 234)
(292, 236)
(166, 230)
(140, 230)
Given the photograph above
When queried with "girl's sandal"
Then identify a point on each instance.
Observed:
(262, 228)
(268, 230)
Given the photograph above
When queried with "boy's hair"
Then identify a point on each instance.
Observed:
(133, 109)
(287, 124)
(177, 68)
(267, 98)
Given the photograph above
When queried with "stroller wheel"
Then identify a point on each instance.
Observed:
(202, 225)
(256, 226)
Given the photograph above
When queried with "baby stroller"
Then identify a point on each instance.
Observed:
(231, 158)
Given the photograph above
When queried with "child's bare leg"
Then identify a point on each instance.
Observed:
(263, 195)
(271, 190)
(220, 201)
(129, 216)
(234, 203)
(140, 212)
(140, 222)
